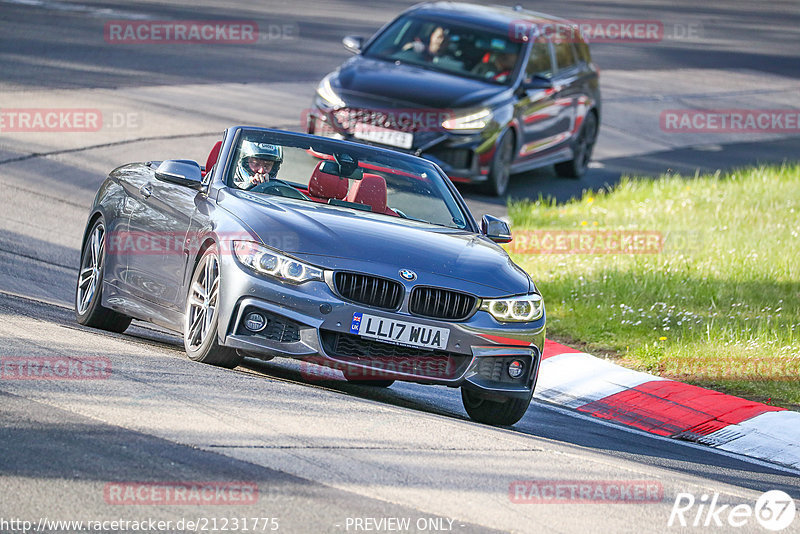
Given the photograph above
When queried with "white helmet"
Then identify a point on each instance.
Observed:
(253, 149)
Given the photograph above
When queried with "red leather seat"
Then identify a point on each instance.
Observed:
(323, 186)
(371, 190)
(212, 158)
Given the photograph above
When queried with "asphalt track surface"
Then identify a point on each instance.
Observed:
(323, 452)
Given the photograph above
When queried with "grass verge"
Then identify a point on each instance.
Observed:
(691, 278)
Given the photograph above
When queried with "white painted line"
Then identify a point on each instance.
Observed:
(772, 435)
(575, 379)
(631, 430)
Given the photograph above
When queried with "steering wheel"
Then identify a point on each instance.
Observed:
(278, 189)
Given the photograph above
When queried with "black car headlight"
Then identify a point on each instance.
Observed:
(268, 262)
(326, 92)
(520, 309)
(469, 121)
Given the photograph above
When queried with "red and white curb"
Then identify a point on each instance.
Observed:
(664, 407)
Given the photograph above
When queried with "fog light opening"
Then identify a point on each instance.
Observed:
(255, 322)
(516, 368)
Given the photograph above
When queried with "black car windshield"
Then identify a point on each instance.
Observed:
(439, 45)
(361, 179)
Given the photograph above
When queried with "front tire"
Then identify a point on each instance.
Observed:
(500, 168)
(582, 150)
(201, 320)
(88, 294)
(494, 412)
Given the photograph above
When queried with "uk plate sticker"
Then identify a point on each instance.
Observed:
(356, 324)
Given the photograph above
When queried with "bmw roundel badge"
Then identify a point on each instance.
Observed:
(408, 274)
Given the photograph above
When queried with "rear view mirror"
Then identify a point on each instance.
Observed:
(334, 168)
(495, 229)
(347, 163)
(353, 43)
(180, 171)
(329, 167)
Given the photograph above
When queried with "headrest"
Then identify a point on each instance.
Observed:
(370, 190)
(324, 185)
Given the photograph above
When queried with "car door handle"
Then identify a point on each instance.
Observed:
(146, 190)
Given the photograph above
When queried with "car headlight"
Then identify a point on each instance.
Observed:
(271, 263)
(476, 120)
(326, 93)
(515, 309)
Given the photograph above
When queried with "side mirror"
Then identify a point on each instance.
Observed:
(353, 43)
(537, 82)
(495, 229)
(180, 171)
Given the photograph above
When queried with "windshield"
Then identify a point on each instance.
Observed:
(360, 179)
(465, 51)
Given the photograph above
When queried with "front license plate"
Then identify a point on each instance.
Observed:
(399, 332)
(384, 136)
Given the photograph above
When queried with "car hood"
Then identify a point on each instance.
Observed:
(408, 85)
(343, 239)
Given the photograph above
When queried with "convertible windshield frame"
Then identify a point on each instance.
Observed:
(369, 155)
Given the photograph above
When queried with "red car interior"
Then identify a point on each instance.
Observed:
(212, 158)
(323, 186)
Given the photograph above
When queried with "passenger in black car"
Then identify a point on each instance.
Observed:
(499, 68)
(437, 44)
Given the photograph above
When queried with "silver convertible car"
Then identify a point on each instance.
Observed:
(349, 256)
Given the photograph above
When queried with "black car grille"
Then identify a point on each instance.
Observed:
(455, 158)
(369, 290)
(437, 364)
(441, 303)
(278, 328)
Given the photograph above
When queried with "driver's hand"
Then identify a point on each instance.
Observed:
(259, 178)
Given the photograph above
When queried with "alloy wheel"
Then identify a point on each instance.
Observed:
(90, 269)
(202, 302)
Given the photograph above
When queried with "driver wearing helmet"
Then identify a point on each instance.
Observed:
(258, 163)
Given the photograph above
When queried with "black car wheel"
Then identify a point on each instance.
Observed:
(500, 168)
(494, 412)
(88, 310)
(582, 150)
(201, 318)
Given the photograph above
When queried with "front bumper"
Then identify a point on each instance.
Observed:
(465, 158)
(312, 322)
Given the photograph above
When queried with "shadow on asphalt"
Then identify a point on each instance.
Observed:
(542, 422)
(606, 173)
